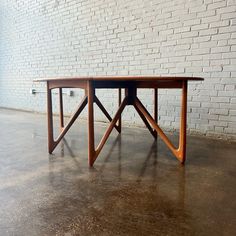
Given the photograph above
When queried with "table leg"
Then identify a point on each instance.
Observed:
(50, 119)
(144, 111)
(179, 152)
(91, 149)
(119, 102)
(155, 109)
(152, 131)
(110, 127)
(61, 108)
(183, 123)
(102, 108)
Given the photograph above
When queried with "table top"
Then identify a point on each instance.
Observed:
(121, 78)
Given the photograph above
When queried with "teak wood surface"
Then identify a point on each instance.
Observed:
(130, 84)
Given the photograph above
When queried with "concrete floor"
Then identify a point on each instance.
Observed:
(136, 186)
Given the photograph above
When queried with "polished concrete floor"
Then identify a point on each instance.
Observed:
(136, 186)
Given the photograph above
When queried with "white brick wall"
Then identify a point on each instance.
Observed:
(117, 37)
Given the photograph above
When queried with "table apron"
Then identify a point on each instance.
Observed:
(137, 84)
(67, 84)
(115, 84)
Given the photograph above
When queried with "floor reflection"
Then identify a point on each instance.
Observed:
(111, 167)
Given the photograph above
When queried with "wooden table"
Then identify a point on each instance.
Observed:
(130, 84)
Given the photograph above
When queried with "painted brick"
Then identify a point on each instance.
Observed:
(219, 111)
(68, 38)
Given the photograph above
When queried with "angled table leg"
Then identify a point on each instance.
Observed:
(52, 143)
(102, 108)
(119, 102)
(111, 126)
(91, 147)
(155, 109)
(61, 108)
(144, 111)
(153, 132)
(71, 120)
(50, 119)
(179, 152)
(92, 152)
(183, 123)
